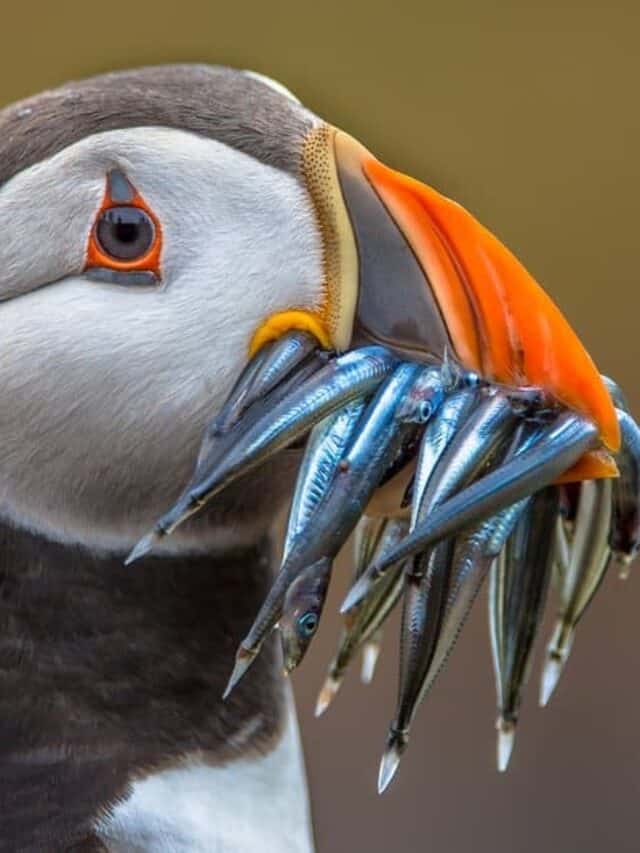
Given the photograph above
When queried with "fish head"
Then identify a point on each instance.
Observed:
(301, 612)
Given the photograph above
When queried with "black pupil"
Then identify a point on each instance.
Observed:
(125, 233)
(308, 623)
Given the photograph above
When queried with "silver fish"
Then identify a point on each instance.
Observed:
(375, 441)
(304, 600)
(426, 582)
(425, 397)
(218, 440)
(351, 376)
(405, 453)
(347, 378)
(371, 652)
(236, 402)
(415, 409)
(363, 623)
(425, 587)
(360, 471)
(284, 357)
(485, 429)
(560, 446)
(473, 555)
(475, 550)
(366, 536)
(624, 534)
(301, 612)
(616, 393)
(562, 552)
(326, 446)
(438, 433)
(587, 566)
(372, 639)
(271, 365)
(519, 582)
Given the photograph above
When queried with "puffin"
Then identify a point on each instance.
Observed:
(113, 729)
(164, 229)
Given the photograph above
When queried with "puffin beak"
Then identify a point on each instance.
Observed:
(411, 270)
(433, 281)
(396, 306)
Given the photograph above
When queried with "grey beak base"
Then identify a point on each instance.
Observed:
(396, 306)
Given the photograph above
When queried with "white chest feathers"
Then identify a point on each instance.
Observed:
(253, 804)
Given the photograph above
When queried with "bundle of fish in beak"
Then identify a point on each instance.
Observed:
(452, 419)
(485, 496)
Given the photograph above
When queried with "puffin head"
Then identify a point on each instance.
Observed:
(153, 220)
(160, 226)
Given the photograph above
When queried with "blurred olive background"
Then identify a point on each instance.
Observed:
(528, 114)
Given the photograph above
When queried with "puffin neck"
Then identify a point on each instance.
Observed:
(108, 672)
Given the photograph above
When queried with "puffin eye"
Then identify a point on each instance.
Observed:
(125, 242)
(125, 233)
(308, 624)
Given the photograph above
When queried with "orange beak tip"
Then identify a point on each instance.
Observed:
(595, 465)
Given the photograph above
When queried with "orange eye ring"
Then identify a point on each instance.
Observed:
(121, 196)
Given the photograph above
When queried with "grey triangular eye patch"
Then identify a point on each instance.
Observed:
(119, 188)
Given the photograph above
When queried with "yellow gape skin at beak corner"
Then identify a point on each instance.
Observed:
(332, 321)
(286, 321)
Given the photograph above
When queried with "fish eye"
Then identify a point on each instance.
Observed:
(425, 410)
(125, 233)
(308, 624)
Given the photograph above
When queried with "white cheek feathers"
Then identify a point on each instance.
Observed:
(105, 389)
